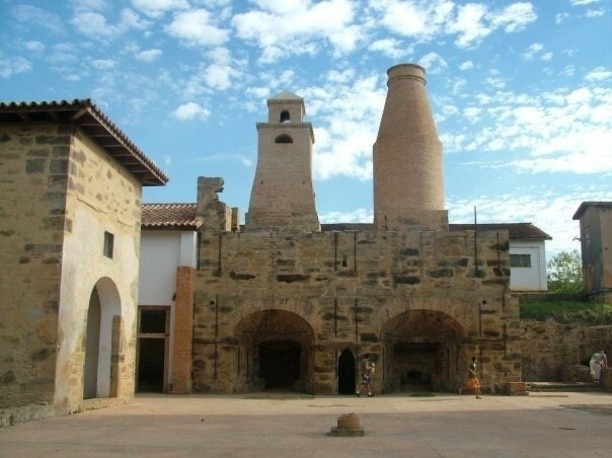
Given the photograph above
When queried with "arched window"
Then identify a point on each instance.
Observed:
(283, 138)
(284, 116)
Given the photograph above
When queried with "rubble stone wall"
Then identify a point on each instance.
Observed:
(353, 289)
(548, 349)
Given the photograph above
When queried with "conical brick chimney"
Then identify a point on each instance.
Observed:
(408, 176)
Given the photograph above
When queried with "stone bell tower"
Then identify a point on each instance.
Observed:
(282, 196)
(408, 176)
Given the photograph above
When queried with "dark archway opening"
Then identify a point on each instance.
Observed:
(421, 352)
(279, 362)
(418, 362)
(346, 373)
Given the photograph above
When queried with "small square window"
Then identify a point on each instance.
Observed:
(109, 241)
(520, 260)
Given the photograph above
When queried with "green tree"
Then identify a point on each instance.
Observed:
(564, 272)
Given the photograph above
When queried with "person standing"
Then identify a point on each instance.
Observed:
(366, 367)
(597, 364)
(473, 381)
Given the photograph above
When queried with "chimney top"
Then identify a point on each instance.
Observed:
(411, 71)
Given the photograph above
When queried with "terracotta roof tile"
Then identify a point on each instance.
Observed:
(516, 231)
(169, 216)
(184, 215)
(84, 114)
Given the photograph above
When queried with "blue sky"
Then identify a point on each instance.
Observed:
(521, 91)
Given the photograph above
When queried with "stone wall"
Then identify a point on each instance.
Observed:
(412, 299)
(548, 348)
(33, 164)
(60, 194)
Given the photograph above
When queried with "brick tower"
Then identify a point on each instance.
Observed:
(282, 195)
(408, 177)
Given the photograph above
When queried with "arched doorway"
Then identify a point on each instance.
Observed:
(279, 363)
(102, 338)
(421, 350)
(346, 373)
(275, 352)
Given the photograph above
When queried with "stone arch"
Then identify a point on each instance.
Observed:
(276, 351)
(285, 116)
(102, 338)
(421, 350)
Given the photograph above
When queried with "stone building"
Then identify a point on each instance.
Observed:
(71, 185)
(285, 303)
(595, 240)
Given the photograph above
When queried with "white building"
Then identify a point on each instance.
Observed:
(527, 253)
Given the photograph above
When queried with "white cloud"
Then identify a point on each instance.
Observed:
(103, 64)
(94, 24)
(558, 131)
(13, 66)
(533, 50)
(582, 2)
(595, 13)
(470, 24)
(298, 27)
(157, 8)
(63, 53)
(408, 19)
(548, 208)
(389, 47)
(467, 65)
(514, 17)
(359, 215)
(189, 111)
(344, 145)
(599, 74)
(197, 27)
(33, 17)
(433, 62)
(149, 55)
(131, 20)
(34, 46)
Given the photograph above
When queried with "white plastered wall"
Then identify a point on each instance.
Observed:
(161, 252)
(529, 278)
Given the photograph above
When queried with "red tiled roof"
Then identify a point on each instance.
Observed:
(516, 231)
(169, 216)
(84, 114)
(165, 216)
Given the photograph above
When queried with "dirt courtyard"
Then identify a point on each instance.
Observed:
(285, 425)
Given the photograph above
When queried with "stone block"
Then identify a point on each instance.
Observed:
(348, 425)
(516, 389)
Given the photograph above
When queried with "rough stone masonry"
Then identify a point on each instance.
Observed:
(288, 303)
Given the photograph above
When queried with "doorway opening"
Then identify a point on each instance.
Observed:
(153, 326)
(346, 373)
(279, 362)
